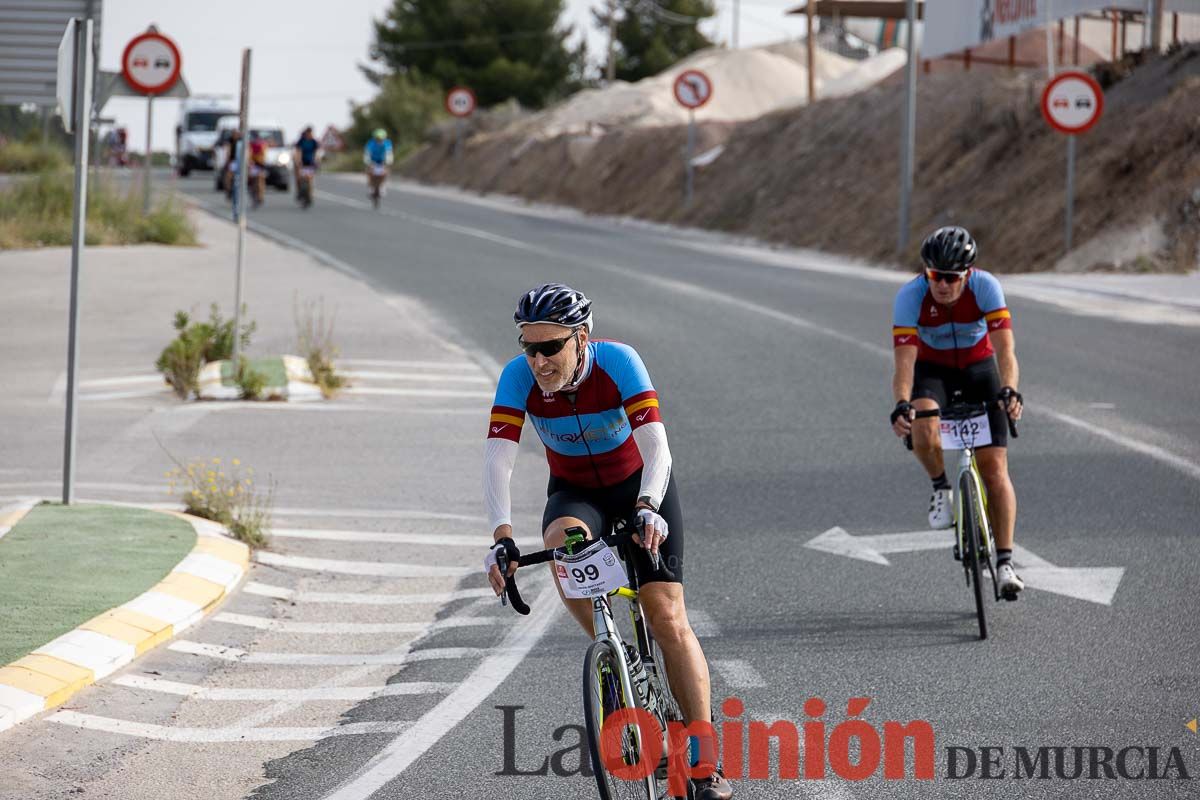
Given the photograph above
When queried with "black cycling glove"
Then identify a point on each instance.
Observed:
(1008, 393)
(902, 409)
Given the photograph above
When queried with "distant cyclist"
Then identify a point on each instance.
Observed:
(377, 157)
(256, 172)
(306, 153)
(953, 331)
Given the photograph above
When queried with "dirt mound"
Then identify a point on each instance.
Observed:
(826, 175)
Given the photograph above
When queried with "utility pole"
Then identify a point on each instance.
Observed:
(811, 44)
(910, 126)
(737, 13)
(1156, 27)
(610, 71)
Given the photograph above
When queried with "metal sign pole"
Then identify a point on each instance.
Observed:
(83, 105)
(691, 144)
(240, 191)
(910, 125)
(458, 126)
(149, 153)
(1070, 190)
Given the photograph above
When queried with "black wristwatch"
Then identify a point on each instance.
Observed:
(645, 500)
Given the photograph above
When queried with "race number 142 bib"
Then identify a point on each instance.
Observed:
(960, 434)
(595, 570)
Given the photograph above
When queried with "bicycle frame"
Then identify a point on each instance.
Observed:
(967, 464)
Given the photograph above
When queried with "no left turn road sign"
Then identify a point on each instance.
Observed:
(1072, 102)
(460, 101)
(151, 63)
(693, 88)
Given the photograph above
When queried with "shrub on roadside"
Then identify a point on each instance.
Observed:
(36, 212)
(195, 344)
(224, 494)
(32, 157)
(250, 381)
(314, 336)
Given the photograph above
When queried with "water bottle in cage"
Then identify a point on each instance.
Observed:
(639, 679)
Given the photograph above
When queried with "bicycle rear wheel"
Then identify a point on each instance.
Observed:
(603, 696)
(969, 506)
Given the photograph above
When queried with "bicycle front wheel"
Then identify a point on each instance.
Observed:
(969, 520)
(603, 697)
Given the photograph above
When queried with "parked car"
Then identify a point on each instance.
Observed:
(279, 154)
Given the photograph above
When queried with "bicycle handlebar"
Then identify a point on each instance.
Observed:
(961, 411)
(623, 536)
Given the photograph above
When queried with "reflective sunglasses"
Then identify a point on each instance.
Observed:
(550, 347)
(945, 277)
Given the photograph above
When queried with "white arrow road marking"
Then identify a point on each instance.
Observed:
(1093, 584)
(348, 693)
(871, 548)
(349, 628)
(167, 734)
(397, 658)
(382, 569)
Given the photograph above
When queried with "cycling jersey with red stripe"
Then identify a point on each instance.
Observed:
(953, 336)
(589, 442)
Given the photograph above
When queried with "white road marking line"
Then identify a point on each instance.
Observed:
(1103, 406)
(347, 693)
(442, 718)
(377, 568)
(359, 598)
(324, 659)
(438, 539)
(415, 376)
(350, 628)
(1184, 465)
(465, 366)
(168, 734)
(738, 673)
(58, 392)
(155, 378)
(390, 392)
(367, 513)
(703, 624)
(165, 391)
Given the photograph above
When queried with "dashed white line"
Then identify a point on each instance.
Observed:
(376, 568)
(172, 734)
(464, 366)
(344, 693)
(738, 673)
(350, 628)
(703, 624)
(415, 376)
(1184, 465)
(397, 658)
(361, 598)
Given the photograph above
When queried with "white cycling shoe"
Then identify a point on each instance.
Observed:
(1010, 583)
(941, 509)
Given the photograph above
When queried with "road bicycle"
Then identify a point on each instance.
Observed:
(617, 674)
(376, 175)
(965, 427)
(304, 185)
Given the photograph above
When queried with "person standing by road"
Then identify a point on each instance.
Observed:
(596, 412)
(952, 331)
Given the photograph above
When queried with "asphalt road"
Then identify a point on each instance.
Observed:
(774, 371)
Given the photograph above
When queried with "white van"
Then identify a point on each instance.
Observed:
(196, 132)
(279, 152)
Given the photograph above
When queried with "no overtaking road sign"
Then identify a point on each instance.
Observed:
(151, 63)
(1073, 102)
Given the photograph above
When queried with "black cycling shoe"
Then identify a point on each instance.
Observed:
(957, 555)
(714, 787)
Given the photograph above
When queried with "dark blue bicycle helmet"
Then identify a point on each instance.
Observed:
(556, 303)
(950, 249)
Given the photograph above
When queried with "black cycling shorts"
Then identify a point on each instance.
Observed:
(600, 508)
(979, 382)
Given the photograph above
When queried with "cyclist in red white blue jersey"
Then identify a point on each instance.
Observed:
(596, 412)
(952, 331)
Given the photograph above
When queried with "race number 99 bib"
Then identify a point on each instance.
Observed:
(593, 571)
(960, 434)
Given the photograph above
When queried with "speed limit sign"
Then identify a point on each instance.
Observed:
(460, 101)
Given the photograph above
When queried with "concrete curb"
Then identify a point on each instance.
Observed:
(50, 675)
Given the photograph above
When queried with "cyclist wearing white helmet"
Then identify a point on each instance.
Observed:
(597, 413)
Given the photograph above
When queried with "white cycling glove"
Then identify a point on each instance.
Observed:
(652, 522)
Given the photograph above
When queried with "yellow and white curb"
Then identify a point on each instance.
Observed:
(48, 676)
(300, 383)
(11, 514)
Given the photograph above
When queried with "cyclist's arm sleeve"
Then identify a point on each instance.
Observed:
(389, 152)
(990, 298)
(367, 154)
(640, 402)
(905, 313)
(504, 433)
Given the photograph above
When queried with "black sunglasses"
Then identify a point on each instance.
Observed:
(945, 277)
(550, 347)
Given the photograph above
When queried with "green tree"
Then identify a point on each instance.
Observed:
(501, 49)
(652, 35)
